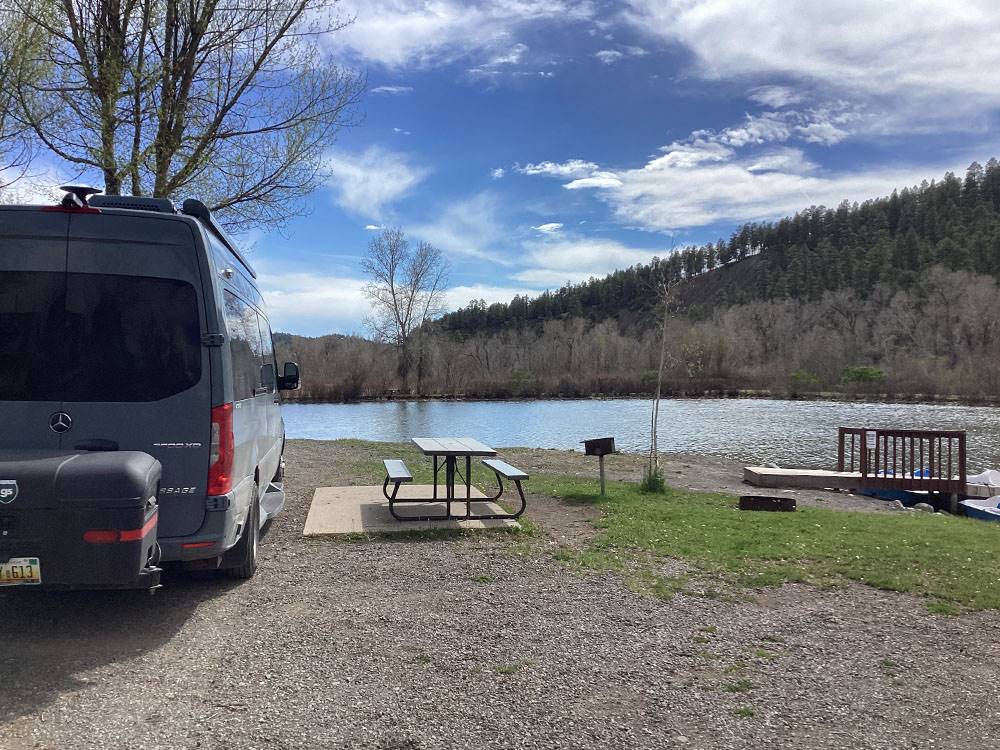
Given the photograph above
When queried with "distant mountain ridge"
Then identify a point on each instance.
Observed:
(885, 242)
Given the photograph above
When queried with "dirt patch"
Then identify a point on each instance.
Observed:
(686, 471)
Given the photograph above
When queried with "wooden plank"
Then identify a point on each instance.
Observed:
(763, 476)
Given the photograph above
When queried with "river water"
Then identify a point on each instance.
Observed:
(789, 433)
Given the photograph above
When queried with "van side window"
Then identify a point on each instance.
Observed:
(244, 346)
(268, 371)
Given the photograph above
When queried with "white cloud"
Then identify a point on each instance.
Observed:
(373, 227)
(497, 173)
(898, 56)
(822, 132)
(400, 131)
(466, 227)
(746, 172)
(392, 90)
(665, 194)
(499, 63)
(551, 228)
(776, 96)
(367, 182)
(596, 180)
(551, 262)
(313, 303)
(609, 56)
(571, 168)
(511, 57)
(398, 33)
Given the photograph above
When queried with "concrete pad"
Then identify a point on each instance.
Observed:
(363, 509)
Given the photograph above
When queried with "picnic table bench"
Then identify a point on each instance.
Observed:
(451, 449)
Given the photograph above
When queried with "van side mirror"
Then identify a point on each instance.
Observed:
(290, 379)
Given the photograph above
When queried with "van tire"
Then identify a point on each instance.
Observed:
(241, 561)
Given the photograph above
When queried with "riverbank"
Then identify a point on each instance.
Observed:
(839, 396)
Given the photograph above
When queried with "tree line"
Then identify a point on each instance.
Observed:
(938, 337)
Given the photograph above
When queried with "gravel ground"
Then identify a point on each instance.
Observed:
(480, 642)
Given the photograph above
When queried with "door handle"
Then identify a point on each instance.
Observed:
(260, 390)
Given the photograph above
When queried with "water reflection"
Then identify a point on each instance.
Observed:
(802, 433)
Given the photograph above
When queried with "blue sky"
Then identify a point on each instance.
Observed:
(543, 141)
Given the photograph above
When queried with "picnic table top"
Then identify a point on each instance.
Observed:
(453, 446)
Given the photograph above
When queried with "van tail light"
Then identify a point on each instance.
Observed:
(220, 461)
(112, 536)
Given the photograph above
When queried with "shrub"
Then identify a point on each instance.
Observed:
(863, 374)
(652, 481)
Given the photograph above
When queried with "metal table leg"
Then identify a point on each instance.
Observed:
(449, 480)
(468, 487)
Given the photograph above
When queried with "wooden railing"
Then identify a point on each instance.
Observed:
(931, 460)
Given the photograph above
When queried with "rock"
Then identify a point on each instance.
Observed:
(897, 505)
(926, 507)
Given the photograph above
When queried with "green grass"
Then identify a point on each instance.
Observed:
(512, 668)
(744, 711)
(742, 685)
(952, 561)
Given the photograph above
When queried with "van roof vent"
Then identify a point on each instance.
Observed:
(160, 205)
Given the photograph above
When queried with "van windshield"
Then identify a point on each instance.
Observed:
(96, 337)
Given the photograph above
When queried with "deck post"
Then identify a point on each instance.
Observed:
(953, 504)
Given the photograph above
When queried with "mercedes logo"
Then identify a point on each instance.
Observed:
(60, 422)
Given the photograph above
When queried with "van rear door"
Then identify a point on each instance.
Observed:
(32, 289)
(138, 376)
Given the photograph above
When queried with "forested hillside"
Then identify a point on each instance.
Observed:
(896, 296)
(889, 241)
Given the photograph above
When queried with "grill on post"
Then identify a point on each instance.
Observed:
(599, 447)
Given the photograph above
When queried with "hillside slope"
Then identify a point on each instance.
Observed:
(886, 241)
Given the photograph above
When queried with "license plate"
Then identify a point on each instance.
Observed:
(21, 571)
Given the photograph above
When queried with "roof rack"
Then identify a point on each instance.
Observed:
(135, 203)
(194, 207)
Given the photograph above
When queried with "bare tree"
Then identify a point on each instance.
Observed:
(406, 291)
(665, 297)
(234, 102)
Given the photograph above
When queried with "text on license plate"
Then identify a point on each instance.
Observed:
(20, 571)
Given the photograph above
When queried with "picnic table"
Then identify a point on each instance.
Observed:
(451, 449)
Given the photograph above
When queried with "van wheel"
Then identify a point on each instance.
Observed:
(241, 561)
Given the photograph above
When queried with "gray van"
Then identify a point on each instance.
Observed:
(140, 415)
